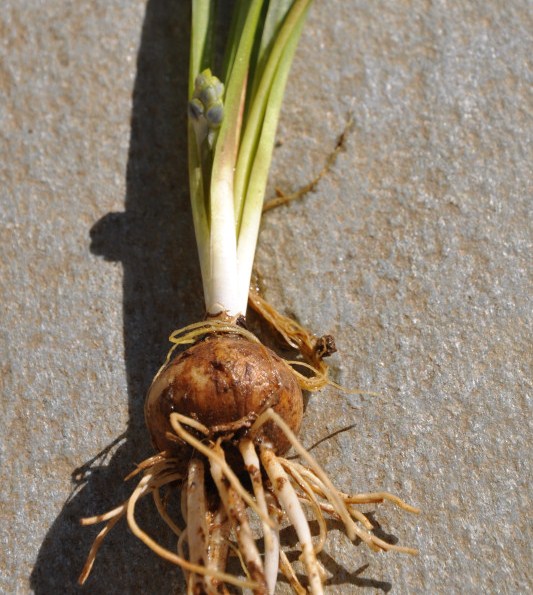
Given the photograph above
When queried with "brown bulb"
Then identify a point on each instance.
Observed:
(218, 381)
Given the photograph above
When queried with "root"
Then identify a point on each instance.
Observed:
(271, 536)
(168, 555)
(288, 571)
(315, 486)
(196, 520)
(219, 527)
(289, 500)
(368, 498)
(155, 477)
(203, 545)
(312, 348)
(312, 501)
(331, 493)
(95, 547)
(191, 333)
(236, 511)
(282, 198)
(338, 507)
(214, 456)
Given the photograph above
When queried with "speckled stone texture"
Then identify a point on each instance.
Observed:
(414, 251)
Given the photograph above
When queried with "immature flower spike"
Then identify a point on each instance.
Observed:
(206, 107)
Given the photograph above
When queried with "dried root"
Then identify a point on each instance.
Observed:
(282, 198)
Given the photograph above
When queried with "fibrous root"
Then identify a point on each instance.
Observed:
(218, 511)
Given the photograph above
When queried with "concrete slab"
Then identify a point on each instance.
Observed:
(414, 252)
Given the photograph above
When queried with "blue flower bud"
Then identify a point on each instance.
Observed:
(215, 114)
(196, 108)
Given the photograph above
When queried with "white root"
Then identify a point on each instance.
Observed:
(341, 509)
(312, 501)
(236, 511)
(318, 487)
(364, 498)
(167, 554)
(288, 498)
(271, 536)
(208, 529)
(152, 480)
(217, 457)
(219, 529)
(196, 521)
(332, 493)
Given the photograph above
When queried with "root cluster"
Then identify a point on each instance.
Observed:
(236, 487)
(280, 487)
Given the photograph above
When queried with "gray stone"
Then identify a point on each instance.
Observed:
(413, 251)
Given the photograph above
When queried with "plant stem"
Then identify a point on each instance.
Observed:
(228, 166)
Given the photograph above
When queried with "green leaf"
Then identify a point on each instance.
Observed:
(202, 38)
(287, 33)
(231, 138)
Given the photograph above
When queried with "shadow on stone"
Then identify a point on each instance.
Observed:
(154, 240)
(338, 576)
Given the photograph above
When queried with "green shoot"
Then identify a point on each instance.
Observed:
(231, 137)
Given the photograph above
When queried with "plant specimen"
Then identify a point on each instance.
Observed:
(224, 409)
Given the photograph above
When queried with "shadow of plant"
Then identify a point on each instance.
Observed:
(154, 240)
(338, 576)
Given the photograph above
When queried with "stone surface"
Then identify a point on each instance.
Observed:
(412, 251)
